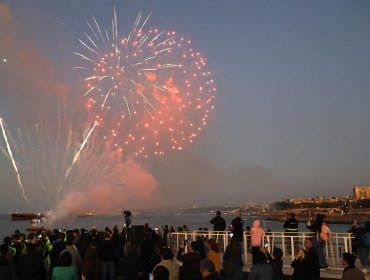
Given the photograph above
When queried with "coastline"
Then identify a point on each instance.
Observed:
(329, 218)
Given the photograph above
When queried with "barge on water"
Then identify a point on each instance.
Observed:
(25, 216)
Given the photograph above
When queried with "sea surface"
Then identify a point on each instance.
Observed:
(192, 221)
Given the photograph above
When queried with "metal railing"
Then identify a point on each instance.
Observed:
(287, 242)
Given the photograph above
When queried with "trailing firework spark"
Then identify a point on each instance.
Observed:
(150, 91)
(57, 157)
(10, 154)
(75, 158)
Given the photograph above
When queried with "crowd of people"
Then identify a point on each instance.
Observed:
(310, 259)
(79, 254)
(113, 254)
(109, 254)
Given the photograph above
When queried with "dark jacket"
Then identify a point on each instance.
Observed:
(261, 271)
(19, 247)
(237, 224)
(58, 247)
(277, 268)
(291, 225)
(130, 268)
(82, 245)
(219, 223)
(308, 268)
(358, 232)
(232, 259)
(316, 225)
(107, 251)
(214, 276)
(6, 272)
(31, 267)
(353, 273)
(91, 264)
(190, 269)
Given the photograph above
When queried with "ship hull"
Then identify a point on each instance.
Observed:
(25, 217)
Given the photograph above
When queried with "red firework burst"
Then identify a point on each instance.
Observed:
(150, 91)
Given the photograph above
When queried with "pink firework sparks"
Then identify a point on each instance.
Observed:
(150, 91)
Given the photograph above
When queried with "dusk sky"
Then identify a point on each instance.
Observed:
(291, 117)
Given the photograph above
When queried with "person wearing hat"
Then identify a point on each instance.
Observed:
(351, 272)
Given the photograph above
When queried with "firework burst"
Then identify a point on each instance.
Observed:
(150, 91)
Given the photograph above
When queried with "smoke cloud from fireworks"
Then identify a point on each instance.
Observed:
(137, 189)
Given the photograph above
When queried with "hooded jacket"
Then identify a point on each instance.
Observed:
(257, 233)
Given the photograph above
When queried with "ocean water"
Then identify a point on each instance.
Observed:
(193, 222)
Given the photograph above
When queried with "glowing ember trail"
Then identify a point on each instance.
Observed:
(81, 148)
(13, 161)
(150, 91)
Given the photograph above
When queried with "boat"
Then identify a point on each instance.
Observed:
(88, 214)
(36, 229)
(36, 225)
(26, 216)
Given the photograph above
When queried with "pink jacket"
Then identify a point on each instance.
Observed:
(325, 232)
(257, 233)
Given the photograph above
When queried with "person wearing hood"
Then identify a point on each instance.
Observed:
(257, 234)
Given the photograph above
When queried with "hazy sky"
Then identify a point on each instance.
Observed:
(292, 115)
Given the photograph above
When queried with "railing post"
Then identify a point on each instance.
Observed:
(332, 252)
(292, 246)
(345, 245)
(177, 242)
(226, 242)
(245, 248)
(337, 244)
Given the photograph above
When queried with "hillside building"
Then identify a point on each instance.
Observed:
(361, 192)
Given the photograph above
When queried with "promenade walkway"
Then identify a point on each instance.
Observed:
(340, 243)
